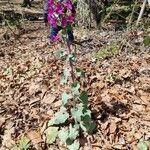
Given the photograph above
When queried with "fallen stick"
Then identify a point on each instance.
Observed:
(141, 12)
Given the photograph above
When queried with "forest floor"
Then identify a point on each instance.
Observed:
(117, 80)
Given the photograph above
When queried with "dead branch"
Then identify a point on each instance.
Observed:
(141, 12)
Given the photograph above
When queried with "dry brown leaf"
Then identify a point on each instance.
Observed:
(117, 146)
(138, 107)
(33, 88)
(34, 137)
(134, 146)
(43, 127)
(33, 101)
(112, 127)
(116, 93)
(57, 104)
(98, 84)
(50, 113)
(137, 136)
(146, 99)
(2, 121)
(125, 73)
(48, 99)
(7, 138)
(146, 123)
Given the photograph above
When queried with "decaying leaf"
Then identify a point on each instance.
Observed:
(7, 138)
(117, 146)
(112, 127)
(34, 88)
(34, 137)
(49, 99)
(2, 121)
(51, 134)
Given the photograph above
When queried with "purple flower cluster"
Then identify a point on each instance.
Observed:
(60, 13)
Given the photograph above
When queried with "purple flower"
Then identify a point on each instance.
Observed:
(59, 9)
(69, 4)
(57, 14)
(70, 19)
(64, 21)
(52, 20)
(55, 38)
(50, 4)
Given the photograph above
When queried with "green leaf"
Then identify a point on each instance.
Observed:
(51, 134)
(65, 98)
(60, 117)
(8, 71)
(66, 74)
(73, 132)
(83, 115)
(86, 123)
(75, 89)
(86, 111)
(63, 81)
(74, 146)
(63, 135)
(68, 136)
(24, 143)
(61, 53)
(88, 126)
(142, 145)
(79, 72)
(77, 112)
(84, 98)
(148, 143)
(72, 57)
(69, 28)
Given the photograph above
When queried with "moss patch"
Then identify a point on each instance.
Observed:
(107, 51)
(147, 41)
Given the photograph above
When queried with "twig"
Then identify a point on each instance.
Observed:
(127, 30)
(116, 1)
(13, 32)
(131, 17)
(141, 12)
(90, 14)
